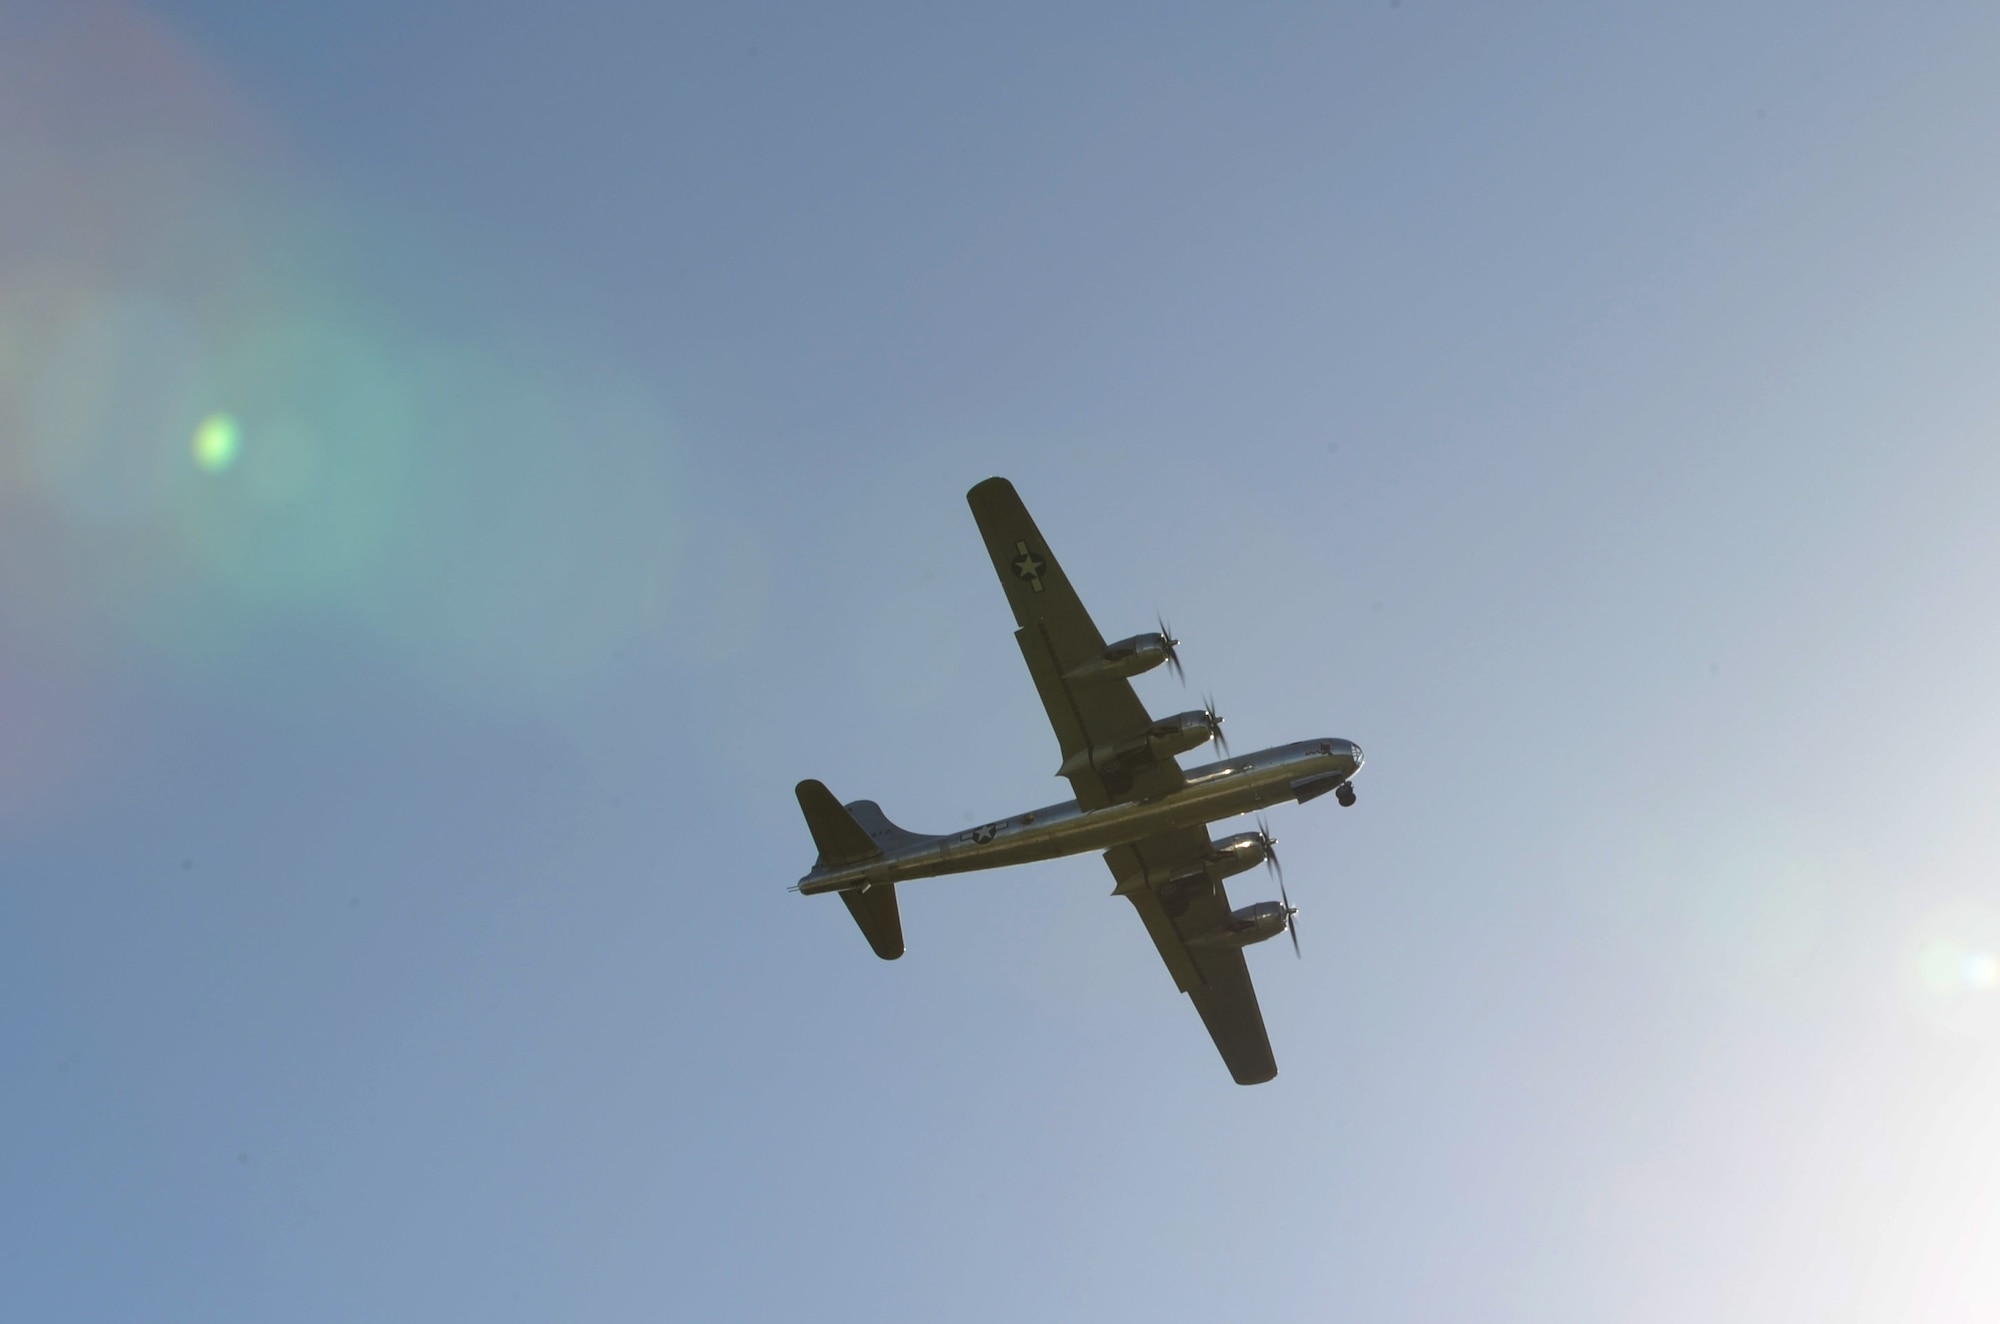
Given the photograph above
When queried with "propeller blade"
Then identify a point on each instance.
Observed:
(1271, 860)
(1291, 917)
(1214, 724)
(1172, 646)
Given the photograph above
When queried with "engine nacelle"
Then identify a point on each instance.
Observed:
(1258, 923)
(1164, 739)
(1228, 857)
(1128, 657)
(1178, 734)
(1232, 855)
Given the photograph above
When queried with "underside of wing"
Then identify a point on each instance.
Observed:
(1100, 724)
(1187, 913)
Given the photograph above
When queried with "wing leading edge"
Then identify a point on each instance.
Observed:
(1094, 712)
(1057, 637)
(1216, 979)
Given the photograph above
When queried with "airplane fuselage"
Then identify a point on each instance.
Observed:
(1213, 791)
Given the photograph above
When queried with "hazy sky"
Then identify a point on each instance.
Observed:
(1592, 410)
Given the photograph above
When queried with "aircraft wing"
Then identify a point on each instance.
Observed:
(1056, 637)
(1217, 979)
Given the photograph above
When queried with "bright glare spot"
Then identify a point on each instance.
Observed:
(1942, 964)
(1951, 971)
(216, 442)
(1980, 970)
(1948, 967)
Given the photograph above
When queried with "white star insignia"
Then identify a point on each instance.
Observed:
(1028, 566)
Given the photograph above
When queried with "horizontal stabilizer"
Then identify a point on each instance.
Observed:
(840, 839)
(874, 909)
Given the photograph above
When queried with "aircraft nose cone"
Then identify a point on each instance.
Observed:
(1354, 752)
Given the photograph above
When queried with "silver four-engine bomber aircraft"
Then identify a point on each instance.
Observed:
(1146, 813)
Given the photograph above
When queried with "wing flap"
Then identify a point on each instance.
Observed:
(1228, 1006)
(1216, 979)
(1071, 734)
(1057, 636)
(1127, 868)
(1037, 589)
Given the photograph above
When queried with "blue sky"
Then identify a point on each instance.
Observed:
(1591, 412)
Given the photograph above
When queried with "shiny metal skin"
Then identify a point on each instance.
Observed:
(1227, 858)
(1254, 923)
(1224, 789)
(1132, 799)
(1163, 740)
(1128, 657)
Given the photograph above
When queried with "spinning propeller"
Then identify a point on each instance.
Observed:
(1272, 863)
(1214, 721)
(1171, 644)
(1291, 918)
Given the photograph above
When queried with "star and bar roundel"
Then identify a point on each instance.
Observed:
(1029, 567)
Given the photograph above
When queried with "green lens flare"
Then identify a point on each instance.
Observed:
(216, 442)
